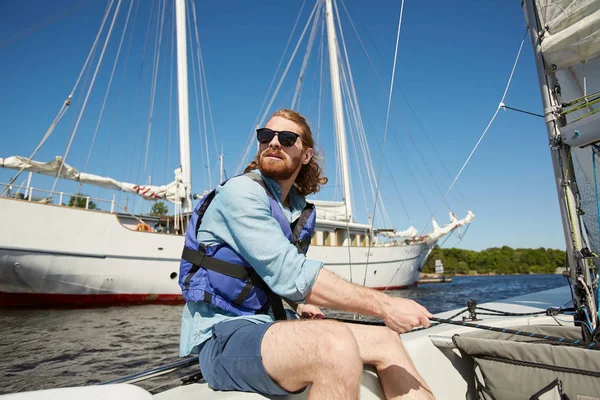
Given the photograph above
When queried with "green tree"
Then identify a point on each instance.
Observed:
(80, 200)
(159, 208)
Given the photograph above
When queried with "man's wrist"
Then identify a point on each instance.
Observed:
(381, 301)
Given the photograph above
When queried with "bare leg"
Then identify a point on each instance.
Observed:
(323, 354)
(381, 347)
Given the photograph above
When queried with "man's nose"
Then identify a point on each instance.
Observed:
(275, 141)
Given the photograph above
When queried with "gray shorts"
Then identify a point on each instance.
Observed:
(231, 359)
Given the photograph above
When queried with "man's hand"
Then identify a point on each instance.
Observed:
(308, 311)
(401, 315)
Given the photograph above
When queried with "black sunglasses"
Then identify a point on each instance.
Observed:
(286, 138)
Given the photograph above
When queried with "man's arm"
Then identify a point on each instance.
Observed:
(399, 314)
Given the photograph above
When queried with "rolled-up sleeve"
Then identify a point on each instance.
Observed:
(240, 215)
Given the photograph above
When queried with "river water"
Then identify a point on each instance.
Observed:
(45, 348)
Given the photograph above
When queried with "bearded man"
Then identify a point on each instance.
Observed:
(245, 251)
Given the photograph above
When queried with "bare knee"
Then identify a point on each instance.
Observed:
(339, 351)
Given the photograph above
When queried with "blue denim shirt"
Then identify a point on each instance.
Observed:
(240, 215)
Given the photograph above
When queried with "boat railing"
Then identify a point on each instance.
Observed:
(26, 193)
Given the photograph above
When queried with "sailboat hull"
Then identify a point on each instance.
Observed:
(55, 255)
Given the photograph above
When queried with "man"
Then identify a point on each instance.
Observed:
(251, 234)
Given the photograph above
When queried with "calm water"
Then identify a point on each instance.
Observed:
(54, 348)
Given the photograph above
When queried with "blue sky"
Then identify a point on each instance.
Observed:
(453, 64)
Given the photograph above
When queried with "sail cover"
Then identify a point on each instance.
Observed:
(572, 33)
(172, 192)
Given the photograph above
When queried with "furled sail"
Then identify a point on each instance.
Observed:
(331, 210)
(172, 192)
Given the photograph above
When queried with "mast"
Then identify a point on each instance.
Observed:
(578, 255)
(338, 111)
(182, 97)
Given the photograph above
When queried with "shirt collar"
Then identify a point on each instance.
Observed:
(297, 202)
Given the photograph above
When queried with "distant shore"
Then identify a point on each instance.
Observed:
(428, 275)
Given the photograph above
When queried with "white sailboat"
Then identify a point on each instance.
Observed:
(50, 256)
(502, 368)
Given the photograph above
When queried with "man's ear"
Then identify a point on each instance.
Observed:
(308, 155)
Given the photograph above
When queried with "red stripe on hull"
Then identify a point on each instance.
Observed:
(396, 287)
(85, 300)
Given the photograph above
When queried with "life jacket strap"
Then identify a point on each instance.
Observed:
(198, 258)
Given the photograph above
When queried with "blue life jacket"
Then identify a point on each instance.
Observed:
(219, 276)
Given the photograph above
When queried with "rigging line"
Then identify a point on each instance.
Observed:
(202, 96)
(87, 96)
(583, 99)
(321, 79)
(433, 176)
(411, 174)
(309, 47)
(268, 107)
(205, 83)
(349, 241)
(198, 83)
(170, 125)
(354, 100)
(493, 117)
(587, 104)
(67, 102)
(118, 102)
(385, 130)
(252, 133)
(357, 114)
(354, 147)
(112, 74)
(409, 106)
(159, 35)
(126, 64)
(59, 116)
(140, 75)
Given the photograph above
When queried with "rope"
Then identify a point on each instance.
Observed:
(201, 127)
(576, 342)
(573, 342)
(204, 82)
(309, 47)
(66, 103)
(494, 116)
(112, 74)
(385, 132)
(159, 35)
(244, 158)
(87, 94)
(433, 176)
(352, 97)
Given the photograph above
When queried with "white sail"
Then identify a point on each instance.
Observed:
(172, 192)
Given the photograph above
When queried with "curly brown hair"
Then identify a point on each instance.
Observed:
(310, 178)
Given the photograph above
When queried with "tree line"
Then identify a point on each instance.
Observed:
(497, 260)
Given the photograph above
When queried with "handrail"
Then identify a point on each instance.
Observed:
(28, 195)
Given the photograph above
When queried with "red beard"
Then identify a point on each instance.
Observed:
(280, 168)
